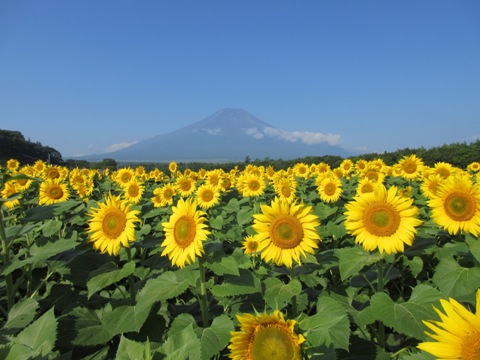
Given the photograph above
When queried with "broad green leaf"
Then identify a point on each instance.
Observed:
(323, 211)
(420, 355)
(182, 344)
(21, 314)
(40, 335)
(243, 284)
(168, 285)
(474, 245)
(232, 206)
(216, 223)
(329, 325)
(226, 265)
(354, 259)
(45, 212)
(110, 275)
(41, 252)
(51, 227)
(90, 328)
(244, 216)
(125, 318)
(406, 317)
(278, 294)
(130, 350)
(454, 280)
(216, 337)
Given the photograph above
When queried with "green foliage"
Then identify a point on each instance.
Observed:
(61, 298)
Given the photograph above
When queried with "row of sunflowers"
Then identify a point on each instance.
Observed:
(365, 261)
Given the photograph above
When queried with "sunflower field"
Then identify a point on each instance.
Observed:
(364, 261)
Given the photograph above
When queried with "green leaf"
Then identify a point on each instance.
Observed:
(130, 350)
(21, 314)
(216, 223)
(216, 337)
(244, 216)
(454, 280)
(41, 252)
(329, 325)
(110, 274)
(182, 344)
(168, 285)
(324, 211)
(406, 317)
(51, 227)
(474, 245)
(40, 335)
(278, 294)
(354, 259)
(45, 212)
(243, 284)
(226, 265)
(90, 328)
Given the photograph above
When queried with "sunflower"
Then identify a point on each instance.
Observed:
(443, 169)
(112, 224)
(52, 172)
(172, 167)
(301, 170)
(456, 206)
(382, 219)
(285, 188)
(251, 184)
(184, 233)
(430, 185)
(207, 196)
(286, 231)
(409, 167)
(365, 185)
(329, 188)
(9, 189)
(265, 337)
(53, 191)
(12, 165)
(474, 166)
(163, 196)
(133, 191)
(457, 334)
(124, 176)
(185, 185)
(250, 245)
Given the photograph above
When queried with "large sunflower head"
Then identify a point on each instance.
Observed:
(285, 188)
(207, 196)
(329, 188)
(112, 224)
(185, 233)
(53, 191)
(133, 191)
(382, 219)
(410, 167)
(457, 334)
(265, 337)
(286, 232)
(185, 185)
(8, 190)
(251, 184)
(456, 205)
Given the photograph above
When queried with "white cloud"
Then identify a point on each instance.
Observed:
(306, 137)
(119, 146)
(254, 132)
(216, 131)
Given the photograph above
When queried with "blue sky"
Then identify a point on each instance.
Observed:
(90, 76)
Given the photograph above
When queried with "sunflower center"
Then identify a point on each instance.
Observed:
(471, 347)
(185, 185)
(114, 223)
(410, 167)
(168, 194)
(254, 185)
(286, 190)
(286, 232)
(184, 231)
(55, 192)
(460, 206)
(381, 220)
(367, 188)
(273, 342)
(133, 190)
(330, 189)
(207, 195)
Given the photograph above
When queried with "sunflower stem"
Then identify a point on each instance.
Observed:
(131, 279)
(6, 259)
(380, 287)
(294, 297)
(203, 294)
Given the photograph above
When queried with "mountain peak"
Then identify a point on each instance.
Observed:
(227, 120)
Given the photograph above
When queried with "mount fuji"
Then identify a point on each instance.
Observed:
(227, 135)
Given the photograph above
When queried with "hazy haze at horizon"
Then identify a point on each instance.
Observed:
(88, 77)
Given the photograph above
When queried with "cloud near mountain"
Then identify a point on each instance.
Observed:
(119, 146)
(307, 137)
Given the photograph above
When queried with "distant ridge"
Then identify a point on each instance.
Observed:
(226, 135)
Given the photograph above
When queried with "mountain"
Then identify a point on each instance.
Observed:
(227, 135)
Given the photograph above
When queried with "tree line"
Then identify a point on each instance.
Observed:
(13, 145)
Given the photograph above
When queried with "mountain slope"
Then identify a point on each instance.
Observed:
(226, 135)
